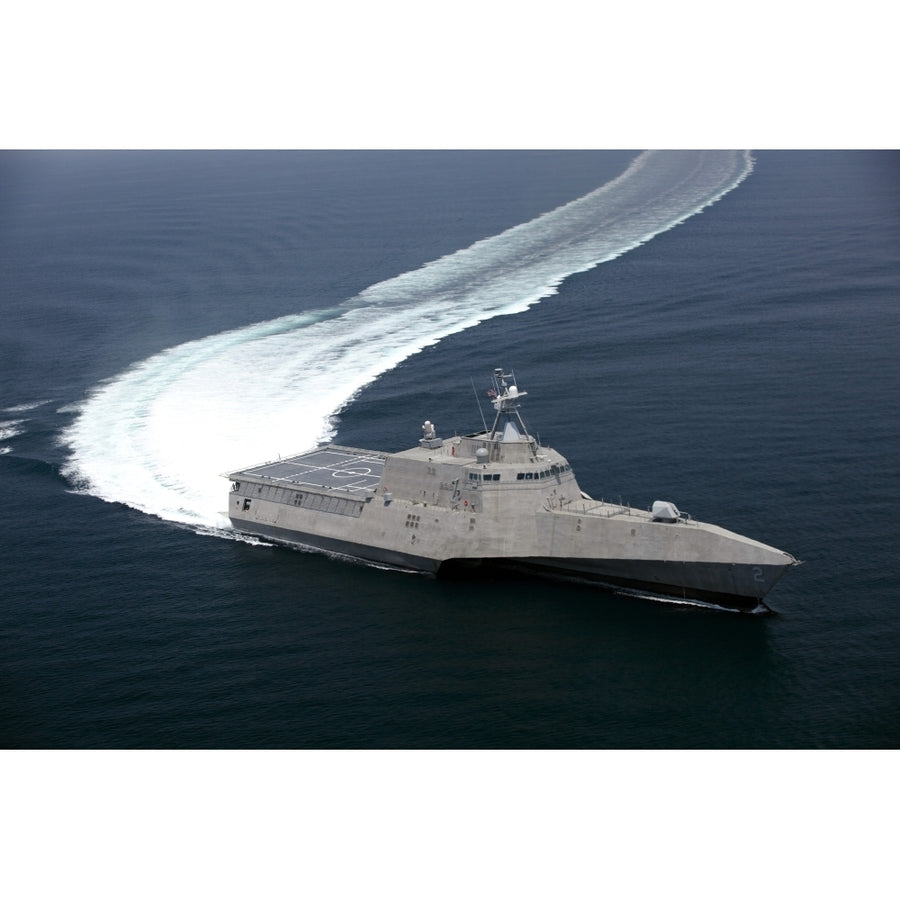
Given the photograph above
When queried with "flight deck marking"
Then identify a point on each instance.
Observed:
(350, 473)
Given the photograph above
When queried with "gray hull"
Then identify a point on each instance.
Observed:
(731, 585)
(719, 584)
(386, 556)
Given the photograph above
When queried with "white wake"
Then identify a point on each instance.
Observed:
(159, 436)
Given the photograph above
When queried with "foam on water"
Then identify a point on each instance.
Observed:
(25, 407)
(159, 436)
(10, 429)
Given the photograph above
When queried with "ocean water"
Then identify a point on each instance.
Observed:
(719, 329)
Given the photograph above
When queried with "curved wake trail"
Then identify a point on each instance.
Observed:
(159, 436)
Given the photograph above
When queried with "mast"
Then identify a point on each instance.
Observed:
(504, 398)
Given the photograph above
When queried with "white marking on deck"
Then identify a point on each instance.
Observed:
(321, 469)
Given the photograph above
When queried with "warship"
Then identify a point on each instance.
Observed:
(494, 501)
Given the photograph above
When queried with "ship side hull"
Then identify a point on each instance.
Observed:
(366, 552)
(733, 586)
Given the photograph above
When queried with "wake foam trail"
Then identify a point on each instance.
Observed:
(159, 436)
(10, 429)
(25, 407)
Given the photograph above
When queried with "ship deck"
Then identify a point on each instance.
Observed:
(328, 468)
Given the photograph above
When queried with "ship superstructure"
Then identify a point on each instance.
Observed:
(495, 499)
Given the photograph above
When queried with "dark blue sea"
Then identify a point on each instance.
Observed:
(717, 329)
